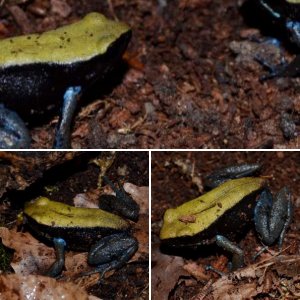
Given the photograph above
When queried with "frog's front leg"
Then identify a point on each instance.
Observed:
(111, 252)
(272, 217)
(56, 268)
(237, 253)
(13, 131)
(63, 131)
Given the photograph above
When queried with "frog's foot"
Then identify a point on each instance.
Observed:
(211, 268)
(272, 218)
(231, 172)
(56, 268)
(238, 254)
(13, 132)
(63, 132)
(124, 205)
(111, 252)
(256, 255)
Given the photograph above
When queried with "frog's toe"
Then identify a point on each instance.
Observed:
(13, 132)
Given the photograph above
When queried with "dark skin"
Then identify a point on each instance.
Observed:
(284, 16)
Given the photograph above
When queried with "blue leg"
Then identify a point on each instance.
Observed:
(271, 11)
(13, 131)
(237, 253)
(63, 131)
(56, 268)
(111, 252)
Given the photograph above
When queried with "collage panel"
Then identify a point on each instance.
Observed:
(225, 224)
(74, 225)
(144, 74)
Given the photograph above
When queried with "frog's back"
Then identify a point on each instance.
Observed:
(36, 69)
(77, 42)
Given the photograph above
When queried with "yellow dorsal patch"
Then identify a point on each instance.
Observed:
(79, 41)
(56, 214)
(198, 214)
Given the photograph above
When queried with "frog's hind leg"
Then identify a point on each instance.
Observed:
(122, 203)
(63, 131)
(285, 194)
(13, 131)
(272, 217)
(111, 252)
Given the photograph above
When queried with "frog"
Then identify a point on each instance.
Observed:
(105, 235)
(285, 16)
(222, 214)
(41, 72)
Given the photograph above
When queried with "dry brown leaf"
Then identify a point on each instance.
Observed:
(140, 194)
(261, 278)
(31, 287)
(165, 273)
(141, 232)
(196, 270)
(30, 255)
(34, 257)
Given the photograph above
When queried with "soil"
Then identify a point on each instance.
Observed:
(191, 79)
(178, 177)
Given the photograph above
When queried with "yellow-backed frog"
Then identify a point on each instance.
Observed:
(41, 71)
(221, 214)
(105, 235)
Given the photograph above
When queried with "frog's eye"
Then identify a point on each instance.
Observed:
(41, 201)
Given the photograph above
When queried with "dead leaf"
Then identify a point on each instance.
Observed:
(34, 257)
(196, 270)
(31, 287)
(30, 256)
(165, 273)
(261, 278)
(140, 194)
